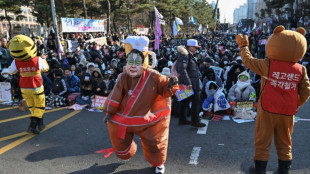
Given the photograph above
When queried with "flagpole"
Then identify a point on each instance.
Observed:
(55, 26)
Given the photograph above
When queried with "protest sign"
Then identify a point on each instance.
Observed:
(99, 101)
(183, 93)
(217, 70)
(5, 92)
(143, 31)
(244, 104)
(100, 41)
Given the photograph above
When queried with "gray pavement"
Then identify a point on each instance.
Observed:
(69, 143)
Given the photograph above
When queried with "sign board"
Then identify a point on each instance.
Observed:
(143, 31)
(244, 104)
(217, 70)
(5, 91)
(72, 45)
(99, 101)
(183, 93)
(82, 25)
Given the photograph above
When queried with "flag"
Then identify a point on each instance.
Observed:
(176, 28)
(254, 27)
(157, 29)
(249, 30)
(240, 24)
(200, 28)
(300, 20)
(244, 30)
(286, 16)
(277, 17)
(192, 20)
(178, 21)
(60, 48)
(162, 22)
(257, 30)
(157, 14)
(270, 22)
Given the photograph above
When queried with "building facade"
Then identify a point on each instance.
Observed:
(240, 13)
(28, 22)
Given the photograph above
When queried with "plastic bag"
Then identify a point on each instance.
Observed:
(244, 113)
(220, 102)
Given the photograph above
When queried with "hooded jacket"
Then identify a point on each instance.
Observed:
(98, 79)
(241, 91)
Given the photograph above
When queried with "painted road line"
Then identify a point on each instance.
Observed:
(203, 130)
(194, 156)
(29, 136)
(28, 115)
(8, 108)
(13, 136)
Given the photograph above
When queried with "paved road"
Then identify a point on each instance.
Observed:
(68, 144)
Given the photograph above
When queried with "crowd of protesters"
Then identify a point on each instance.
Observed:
(92, 69)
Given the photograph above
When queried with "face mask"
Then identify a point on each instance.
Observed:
(6, 76)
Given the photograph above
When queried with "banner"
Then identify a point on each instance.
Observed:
(100, 41)
(217, 70)
(5, 92)
(82, 25)
(158, 31)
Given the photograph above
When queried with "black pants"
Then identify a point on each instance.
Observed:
(194, 109)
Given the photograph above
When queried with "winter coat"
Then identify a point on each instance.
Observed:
(188, 69)
(60, 87)
(74, 83)
(238, 94)
(98, 79)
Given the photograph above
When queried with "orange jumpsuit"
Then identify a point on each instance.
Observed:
(140, 106)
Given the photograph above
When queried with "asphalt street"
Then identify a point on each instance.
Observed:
(68, 144)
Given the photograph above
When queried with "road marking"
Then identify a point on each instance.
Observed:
(28, 115)
(194, 156)
(8, 108)
(203, 130)
(13, 136)
(29, 136)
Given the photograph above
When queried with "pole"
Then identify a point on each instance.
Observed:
(55, 26)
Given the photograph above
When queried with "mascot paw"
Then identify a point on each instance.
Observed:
(242, 40)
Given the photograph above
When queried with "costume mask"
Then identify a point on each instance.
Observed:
(134, 67)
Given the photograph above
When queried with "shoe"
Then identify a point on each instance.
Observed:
(184, 122)
(33, 124)
(198, 124)
(260, 167)
(160, 169)
(41, 125)
(284, 167)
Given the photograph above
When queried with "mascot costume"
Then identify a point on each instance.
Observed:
(284, 88)
(140, 104)
(29, 65)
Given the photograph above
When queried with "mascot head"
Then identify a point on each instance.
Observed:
(22, 48)
(137, 55)
(286, 45)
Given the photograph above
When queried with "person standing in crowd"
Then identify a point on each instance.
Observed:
(188, 70)
(73, 80)
(4, 54)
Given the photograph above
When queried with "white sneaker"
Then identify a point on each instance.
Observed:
(160, 169)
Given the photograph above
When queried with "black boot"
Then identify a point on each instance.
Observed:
(33, 124)
(284, 167)
(41, 125)
(260, 167)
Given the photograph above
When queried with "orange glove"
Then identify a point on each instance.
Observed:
(242, 41)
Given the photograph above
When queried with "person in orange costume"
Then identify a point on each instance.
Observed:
(140, 104)
(284, 88)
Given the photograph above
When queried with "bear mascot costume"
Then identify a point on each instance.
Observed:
(140, 104)
(284, 88)
(29, 65)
